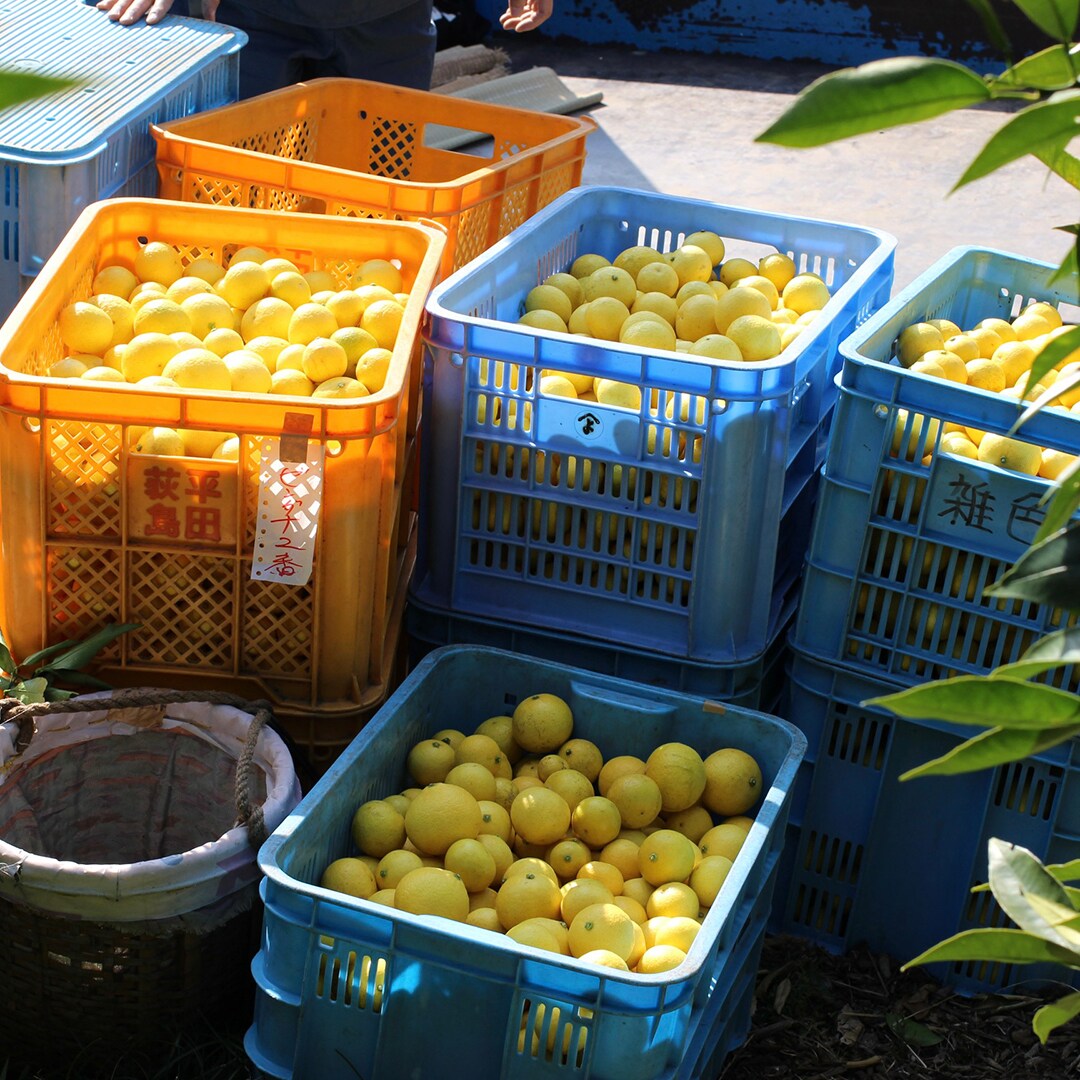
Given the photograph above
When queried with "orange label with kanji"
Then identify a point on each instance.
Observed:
(181, 501)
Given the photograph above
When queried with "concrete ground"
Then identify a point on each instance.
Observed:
(684, 124)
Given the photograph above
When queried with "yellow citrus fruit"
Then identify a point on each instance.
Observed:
(472, 862)
(377, 828)
(120, 312)
(951, 366)
(569, 285)
(308, 322)
(611, 282)
(1015, 358)
(967, 348)
(549, 298)
(483, 750)
(733, 782)
(916, 339)
(290, 286)
(696, 317)
(394, 865)
(70, 367)
(501, 729)
(229, 450)
(567, 857)
(429, 761)
(778, 268)
(1009, 453)
(540, 815)
(677, 930)
(655, 303)
(244, 282)
(85, 328)
(247, 373)
(571, 785)
(672, 900)
(324, 359)
(601, 926)
(622, 394)
(161, 442)
(763, 286)
(986, 374)
(288, 356)
(596, 821)
(650, 334)
(209, 270)
(202, 444)
(431, 890)
(757, 338)
(736, 303)
(541, 723)
(637, 888)
(115, 279)
(440, 814)
(806, 292)
(585, 264)
(708, 877)
(527, 895)
(605, 316)
(717, 347)
(679, 772)
(658, 959)
(637, 797)
(723, 839)
(608, 875)
(291, 382)
(617, 766)
(1055, 462)
(474, 778)
(147, 354)
(579, 893)
(198, 369)
(584, 756)
(693, 822)
(184, 288)
(355, 341)
(534, 933)
(161, 315)
(691, 263)
(500, 851)
(158, 261)
(541, 319)
(350, 876)
(379, 272)
(735, 268)
(666, 855)
(249, 253)
(622, 853)
(710, 242)
(987, 338)
(102, 373)
(659, 277)
(223, 340)
(558, 930)
(382, 320)
(633, 258)
(634, 908)
(495, 819)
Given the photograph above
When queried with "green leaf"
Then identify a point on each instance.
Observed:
(985, 702)
(1048, 572)
(19, 86)
(80, 654)
(1060, 161)
(1052, 1016)
(72, 677)
(995, 32)
(1003, 945)
(880, 94)
(1069, 270)
(1045, 125)
(1048, 69)
(1056, 650)
(1069, 871)
(1032, 897)
(1055, 18)
(1049, 357)
(29, 692)
(1064, 502)
(7, 661)
(991, 748)
(911, 1031)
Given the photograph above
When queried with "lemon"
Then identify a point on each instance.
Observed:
(569, 285)
(952, 366)
(247, 373)
(340, 387)
(440, 814)
(163, 316)
(666, 855)
(541, 723)
(549, 298)
(85, 328)
(394, 865)
(432, 890)
(541, 319)
(120, 312)
(244, 283)
(612, 282)
(614, 767)
(184, 288)
(708, 877)
(763, 286)
(160, 442)
(356, 342)
(209, 270)
(429, 761)
(533, 933)
(637, 798)
(114, 279)
(678, 931)
(691, 263)
(249, 253)
(158, 261)
(201, 444)
(474, 778)
(377, 828)
(1015, 359)
(291, 382)
(382, 320)
(733, 782)
(266, 317)
(198, 369)
(692, 822)
(290, 286)
(586, 264)
(659, 277)
(596, 821)
(621, 394)
(529, 894)
(605, 316)
(579, 894)
(1009, 453)
(379, 272)
(223, 340)
(290, 357)
(601, 926)
(916, 339)
(757, 338)
(716, 347)
(572, 785)
(472, 862)
(609, 876)
(735, 268)
(346, 306)
(268, 349)
(633, 258)
(350, 876)
(696, 317)
(656, 303)
(807, 292)
(710, 242)
(679, 773)
(736, 303)
(651, 334)
(987, 338)
(324, 359)
(986, 374)
(567, 857)
(658, 959)
(724, 839)
(672, 900)
(147, 354)
(778, 268)
(540, 815)
(70, 367)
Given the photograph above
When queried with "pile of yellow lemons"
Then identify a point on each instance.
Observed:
(521, 828)
(690, 300)
(257, 325)
(995, 354)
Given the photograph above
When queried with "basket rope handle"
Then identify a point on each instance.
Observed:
(249, 812)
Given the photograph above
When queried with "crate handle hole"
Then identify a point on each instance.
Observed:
(32, 424)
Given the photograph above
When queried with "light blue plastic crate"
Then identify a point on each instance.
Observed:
(901, 550)
(892, 864)
(664, 522)
(62, 152)
(756, 684)
(452, 992)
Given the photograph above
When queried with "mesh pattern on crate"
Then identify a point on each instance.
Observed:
(562, 518)
(276, 627)
(9, 213)
(918, 608)
(86, 589)
(391, 148)
(83, 479)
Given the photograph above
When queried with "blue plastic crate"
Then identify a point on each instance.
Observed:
(62, 152)
(756, 684)
(664, 522)
(906, 538)
(892, 864)
(468, 989)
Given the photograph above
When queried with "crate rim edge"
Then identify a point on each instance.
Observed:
(412, 323)
(585, 126)
(274, 876)
(439, 314)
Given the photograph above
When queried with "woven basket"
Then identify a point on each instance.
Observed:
(129, 825)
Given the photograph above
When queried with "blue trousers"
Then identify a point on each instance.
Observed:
(398, 48)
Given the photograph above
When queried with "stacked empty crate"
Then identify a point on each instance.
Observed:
(342, 983)
(60, 153)
(906, 538)
(663, 543)
(104, 533)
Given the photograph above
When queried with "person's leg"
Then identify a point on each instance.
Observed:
(398, 48)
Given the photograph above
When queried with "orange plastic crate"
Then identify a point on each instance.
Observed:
(81, 543)
(356, 148)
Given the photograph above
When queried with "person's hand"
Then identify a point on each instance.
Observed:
(521, 15)
(127, 12)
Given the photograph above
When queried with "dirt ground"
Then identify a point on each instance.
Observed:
(857, 1016)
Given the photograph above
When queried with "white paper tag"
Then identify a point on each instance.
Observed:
(290, 496)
